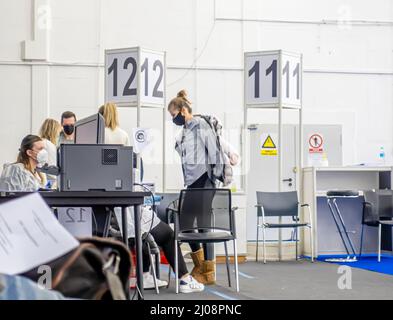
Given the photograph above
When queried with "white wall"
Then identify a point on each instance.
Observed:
(348, 62)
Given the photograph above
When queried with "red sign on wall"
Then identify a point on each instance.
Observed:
(315, 143)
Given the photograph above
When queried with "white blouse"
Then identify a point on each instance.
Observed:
(52, 152)
(117, 136)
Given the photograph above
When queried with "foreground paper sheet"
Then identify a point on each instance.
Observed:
(30, 235)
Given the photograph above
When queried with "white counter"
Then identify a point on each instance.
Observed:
(316, 181)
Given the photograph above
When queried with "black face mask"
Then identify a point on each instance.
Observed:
(179, 120)
(68, 129)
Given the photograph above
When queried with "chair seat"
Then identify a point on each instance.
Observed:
(285, 225)
(342, 193)
(386, 222)
(205, 236)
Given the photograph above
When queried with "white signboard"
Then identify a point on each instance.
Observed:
(135, 75)
(77, 221)
(30, 235)
(142, 138)
(273, 78)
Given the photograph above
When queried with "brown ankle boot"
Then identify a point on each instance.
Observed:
(198, 259)
(209, 271)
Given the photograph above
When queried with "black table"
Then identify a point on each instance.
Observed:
(122, 199)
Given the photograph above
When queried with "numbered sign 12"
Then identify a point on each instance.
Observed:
(272, 78)
(77, 221)
(121, 78)
(135, 75)
(152, 77)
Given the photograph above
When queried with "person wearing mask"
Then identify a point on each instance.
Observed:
(49, 133)
(197, 148)
(68, 120)
(161, 232)
(23, 175)
(113, 133)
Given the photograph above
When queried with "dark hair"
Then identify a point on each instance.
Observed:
(67, 115)
(181, 101)
(26, 144)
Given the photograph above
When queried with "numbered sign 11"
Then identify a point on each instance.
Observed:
(273, 78)
(135, 76)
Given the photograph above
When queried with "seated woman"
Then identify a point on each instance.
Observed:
(22, 175)
(164, 237)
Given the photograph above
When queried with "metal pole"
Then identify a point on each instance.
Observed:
(299, 172)
(280, 175)
(280, 154)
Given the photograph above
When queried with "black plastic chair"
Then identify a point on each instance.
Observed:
(167, 203)
(281, 204)
(206, 216)
(377, 211)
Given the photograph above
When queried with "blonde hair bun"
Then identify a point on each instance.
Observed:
(182, 94)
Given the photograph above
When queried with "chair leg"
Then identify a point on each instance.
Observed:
(256, 251)
(379, 242)
(296, 241)
(312, 244)
(176, 268)
(169, 276)
(264, 245)
(227, 263)
(157, 260)
(236, 265)
(361, 241)
(153, 269)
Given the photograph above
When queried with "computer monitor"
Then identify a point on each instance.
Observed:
(90, 130)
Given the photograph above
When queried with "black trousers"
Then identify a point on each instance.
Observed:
(208, 248)
(164, 237)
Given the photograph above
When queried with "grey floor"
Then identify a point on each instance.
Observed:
(287, 280)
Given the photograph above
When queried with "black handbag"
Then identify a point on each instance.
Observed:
(99, 269)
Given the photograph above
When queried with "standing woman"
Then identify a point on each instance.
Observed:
(113, 133)
(22, 175)
(161, 232)
(197, 148)
(49, 133)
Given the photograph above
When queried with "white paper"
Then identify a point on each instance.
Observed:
(142, 138)
(30, 235)
(77, 221)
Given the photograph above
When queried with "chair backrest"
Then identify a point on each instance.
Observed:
(381, 202)
(205, 209)
(166, 200)
(278, 204)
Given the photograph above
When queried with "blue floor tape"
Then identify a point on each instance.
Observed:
(242, 274)
(222, 295)
(366, 262)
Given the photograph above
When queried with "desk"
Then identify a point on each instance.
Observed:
(121, 199)
(317, 181)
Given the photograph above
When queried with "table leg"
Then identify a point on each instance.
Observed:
(124, 223)
(138, 245)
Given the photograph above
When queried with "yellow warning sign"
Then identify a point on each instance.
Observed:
(268, 146)
(269, 143)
